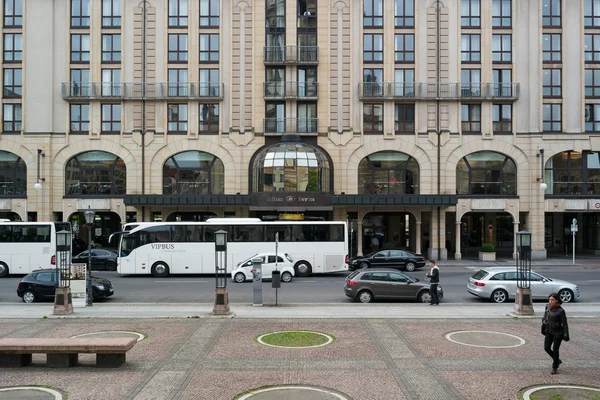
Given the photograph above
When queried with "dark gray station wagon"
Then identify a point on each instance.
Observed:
(381, 283)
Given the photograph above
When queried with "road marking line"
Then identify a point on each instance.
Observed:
(167, 281)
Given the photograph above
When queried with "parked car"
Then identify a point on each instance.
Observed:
(401, 259)
(244, 269)
(101, 259)
(383, 283)
(41, 284)
(499, 284)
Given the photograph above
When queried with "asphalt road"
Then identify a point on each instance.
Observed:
(316, 289)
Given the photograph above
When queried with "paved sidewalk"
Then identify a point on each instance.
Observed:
(369, 359)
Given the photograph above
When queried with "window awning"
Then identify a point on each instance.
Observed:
(402, 200)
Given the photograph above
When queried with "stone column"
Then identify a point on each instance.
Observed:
(457, 254)
(359, 238)
(418, 240)
(515, 230)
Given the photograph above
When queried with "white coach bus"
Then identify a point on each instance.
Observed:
(27, 246)
(164, 248)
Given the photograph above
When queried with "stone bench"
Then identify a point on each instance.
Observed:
(63, 352)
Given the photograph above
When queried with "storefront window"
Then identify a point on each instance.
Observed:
(13, 175)
(291, 167)
(388, 172)
(573, 173)
(486, 173)
(95, 173)
(193, 172)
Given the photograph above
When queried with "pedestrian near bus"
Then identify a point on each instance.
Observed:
(434, 279)
(555, 329)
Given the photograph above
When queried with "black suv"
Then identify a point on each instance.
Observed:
(42, 283)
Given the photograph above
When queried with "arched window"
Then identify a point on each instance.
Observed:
(291, 166)
(573, 173)
(13, 175)
(95, 173)
(486, 173)
(388, 172)
(193, 172)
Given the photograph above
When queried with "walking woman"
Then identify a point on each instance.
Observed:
(555, 328)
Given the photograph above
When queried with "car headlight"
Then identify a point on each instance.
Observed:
(100, 287)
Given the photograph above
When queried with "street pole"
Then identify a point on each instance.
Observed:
(88, 277)
(574, 229)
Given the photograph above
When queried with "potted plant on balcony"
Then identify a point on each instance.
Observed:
(487, 252)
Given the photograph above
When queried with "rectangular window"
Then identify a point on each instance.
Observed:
(275, 117)
(373, 118)
(111, 82)
(80, 119)
(502, 118)
(80, 48)
(13, 118)
(501, 13)
(80, 13)
(111, 48)
(592, 83)
(111, 13)
(502, 83)
(373, 14)
(592, 48)
(178, 48)
(13, 83)
(178, 13)
(470, 83)
(404, 50)
(80, 82)
(470, 48)
(551, 79)
(13, 13)
(552, 117)
(177, 118)
(209, 13)
(404, 82)
(373, 47)
(178, 83)
(501, 48)
(404, 118)
(591, 13)
(275, 15)
(209, 118)
(551, 13)
(551, 51)
(209, 47)
(13, 47)
(471, 118)
(111, 118)
(372, 82)
(470, 14)
(592, 117)
(404, 11)
(209, 83)
(307, 118)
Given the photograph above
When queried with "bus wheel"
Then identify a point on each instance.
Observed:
(3, 270)
(303, 268)
(160, 269)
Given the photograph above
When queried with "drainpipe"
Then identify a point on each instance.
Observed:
(143, 133)
(437, 123)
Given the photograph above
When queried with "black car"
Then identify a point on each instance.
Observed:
(41, 285)
(101, 259)
(400, 259)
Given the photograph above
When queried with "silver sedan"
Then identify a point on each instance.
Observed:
(499, 284)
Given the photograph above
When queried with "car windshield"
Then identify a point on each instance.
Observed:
(246, 260)
(480, 274)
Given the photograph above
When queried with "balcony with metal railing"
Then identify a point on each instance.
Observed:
(291, 90)
(300, 126)
(438, 91)
(300, 55)
(75, 91)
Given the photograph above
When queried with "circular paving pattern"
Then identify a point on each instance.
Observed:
(487, 339)
(114, 334)
(29, 393)
(294, 339)
(294, 393)
(563, 392)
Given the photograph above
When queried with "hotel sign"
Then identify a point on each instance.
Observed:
(286, 199)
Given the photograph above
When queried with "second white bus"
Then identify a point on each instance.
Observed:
(165, 248)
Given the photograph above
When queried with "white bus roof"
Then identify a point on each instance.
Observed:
(232, 220)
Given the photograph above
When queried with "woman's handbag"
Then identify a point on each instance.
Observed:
(544, 328)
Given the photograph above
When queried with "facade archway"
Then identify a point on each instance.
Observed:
(95, 173)
(486, 173)
(193, 172)
(13, 175)
(387, 230)
(388, 172)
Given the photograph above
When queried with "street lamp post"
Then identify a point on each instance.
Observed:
(523, 303)
(63, 300)
(221, 304)
(89, 221)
